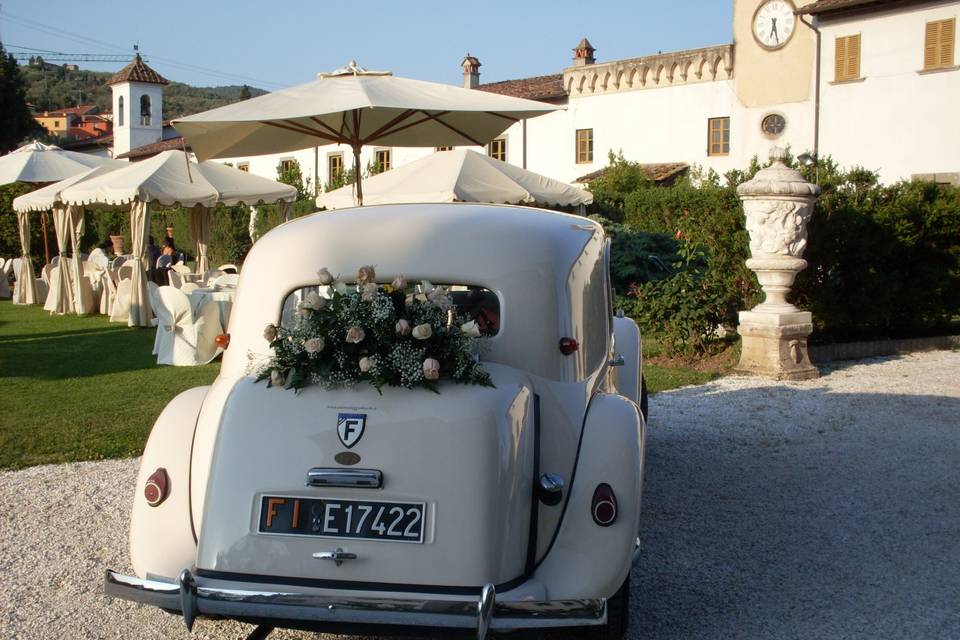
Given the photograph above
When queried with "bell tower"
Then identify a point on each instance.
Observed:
(137, 106)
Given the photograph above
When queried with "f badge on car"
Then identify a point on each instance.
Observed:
(350, 428)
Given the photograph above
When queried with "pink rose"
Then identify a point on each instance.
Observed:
(270, 333)
(366, 274)
(403, 327)
(399, 283)
(431, 369)
(367, 363)
(355, 335)
(325, 276)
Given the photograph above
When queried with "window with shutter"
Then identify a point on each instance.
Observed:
(939, 43)
(847, 58)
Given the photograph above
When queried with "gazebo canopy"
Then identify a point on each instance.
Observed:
(46, 198)
(171, 179)
(38, 162)
(459, 175)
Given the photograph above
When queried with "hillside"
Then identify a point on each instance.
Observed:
(51, 87)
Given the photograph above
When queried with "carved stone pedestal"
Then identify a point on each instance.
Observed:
(778, 203)
(775, 345)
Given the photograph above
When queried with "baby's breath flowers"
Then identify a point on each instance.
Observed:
(385, 336)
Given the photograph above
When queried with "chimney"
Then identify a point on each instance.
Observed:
(583, 54)
(471, 72)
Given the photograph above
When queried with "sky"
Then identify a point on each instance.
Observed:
(283, 42)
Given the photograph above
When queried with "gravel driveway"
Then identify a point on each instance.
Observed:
(820, 509)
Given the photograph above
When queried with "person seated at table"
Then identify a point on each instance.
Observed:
(168, 256)
(102, 253)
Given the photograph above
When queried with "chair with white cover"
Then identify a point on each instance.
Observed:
(209, 276)
(125, 272)
(189, 287)
(120, 309)
(181, 268)
(226, 280)
(176, 279)
(108, 293)
(228, 268)
(185, 338)
(6, 267)
(45, 273)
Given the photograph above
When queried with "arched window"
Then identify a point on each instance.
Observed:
(145, 111)
(120, 114)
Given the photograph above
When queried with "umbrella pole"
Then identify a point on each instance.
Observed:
(356, 174)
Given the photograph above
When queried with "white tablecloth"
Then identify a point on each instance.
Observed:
(223, 298)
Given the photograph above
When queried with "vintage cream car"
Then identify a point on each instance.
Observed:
(490, 508)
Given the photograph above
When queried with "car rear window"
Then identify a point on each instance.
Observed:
(470, 302)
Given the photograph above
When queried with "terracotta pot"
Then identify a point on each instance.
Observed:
(117, 245)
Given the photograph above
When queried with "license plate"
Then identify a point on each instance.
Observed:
(336, 518)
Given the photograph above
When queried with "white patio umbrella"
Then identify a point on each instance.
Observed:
(459, 175)
(170, 179)
(355, 107)
(39, 163)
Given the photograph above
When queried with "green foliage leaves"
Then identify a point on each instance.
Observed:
(289, 173)
(883, 260)
(16, 123)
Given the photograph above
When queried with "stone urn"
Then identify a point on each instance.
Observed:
(778, 204)
(117, 245)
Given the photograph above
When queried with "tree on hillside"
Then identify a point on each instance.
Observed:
(16, 123)
(245, 93)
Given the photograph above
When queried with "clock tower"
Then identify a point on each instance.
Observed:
(774, 51)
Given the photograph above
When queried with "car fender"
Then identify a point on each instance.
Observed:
(587, 560)
(162, 539)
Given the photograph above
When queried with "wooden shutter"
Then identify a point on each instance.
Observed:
(846, 65)
(948, 30)
(931, 52)
(853, 57)
(840, 60)
(939, 43)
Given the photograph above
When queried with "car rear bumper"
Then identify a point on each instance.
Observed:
(192, 598)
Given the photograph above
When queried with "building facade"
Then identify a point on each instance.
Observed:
(871, 83)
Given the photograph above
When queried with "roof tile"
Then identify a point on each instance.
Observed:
(137, 71)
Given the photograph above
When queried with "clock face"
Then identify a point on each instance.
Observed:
(773, 125)
(774, 23)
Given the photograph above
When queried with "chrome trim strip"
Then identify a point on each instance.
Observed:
(415, 611)
(488, 598)
(335, 477)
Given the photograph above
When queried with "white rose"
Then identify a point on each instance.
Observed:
(276, 378)
(314, 301)
(341, 287)
(426, 286)
(270, 333)
(399, 283)
(313, 345)
(325, 276)
(422, 331)
(431, 369)
(367, 363)
(355, 335)
(471, 329)
(366, 274)
(369, 292)
(403, 327)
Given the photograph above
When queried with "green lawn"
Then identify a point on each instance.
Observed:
(83, 389)
(80, 388)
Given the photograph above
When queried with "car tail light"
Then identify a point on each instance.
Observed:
(604, 505)
(223, 340)
(568, 346)
(157, 487)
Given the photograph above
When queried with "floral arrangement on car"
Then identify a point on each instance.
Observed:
(383, 335)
